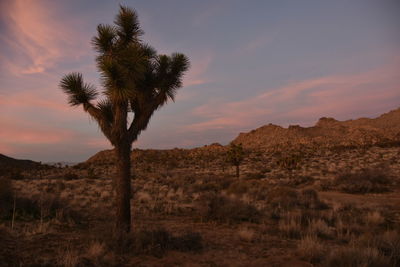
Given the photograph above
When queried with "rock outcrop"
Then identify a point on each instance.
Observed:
(327, 132)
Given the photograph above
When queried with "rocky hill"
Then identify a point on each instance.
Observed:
(327, 132)
(7, 162)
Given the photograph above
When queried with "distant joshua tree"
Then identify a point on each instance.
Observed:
(236, 156)
(290, 161)
(135, 80)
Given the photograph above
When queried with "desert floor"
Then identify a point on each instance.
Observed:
(336, 208)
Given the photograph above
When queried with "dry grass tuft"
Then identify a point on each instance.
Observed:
(374, 218)
(356, 256)
(364, 181)
(290, 225)
(311, 249)
(320, 228)
(246, 234)
(221, 208)
(68, 258)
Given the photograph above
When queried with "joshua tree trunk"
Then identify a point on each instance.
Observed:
(237, 171)
(123, 187)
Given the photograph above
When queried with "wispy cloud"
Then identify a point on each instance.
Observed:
(34, 99)
(197, 72)
(22, 132)
(304, 101)
(36, 36)
(260, 41)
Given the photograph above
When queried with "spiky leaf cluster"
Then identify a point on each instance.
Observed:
(235, 154)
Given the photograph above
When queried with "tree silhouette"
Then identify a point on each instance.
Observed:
(236, 156)
(135, 79)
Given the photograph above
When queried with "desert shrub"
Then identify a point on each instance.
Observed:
(91, 174)
(154, 242)
(9, 256)
(70, 176)
(11, 173)
(238, 188)
(349, 213)
(254, 175)
(282, 197)
(364, 181)
(6, 196)
(221, 208)
(46, 206)
(356, 256)
(290, 225)
(311, 249)
(26, 209)
(59, 186)
(79, 166)
(68, 258)
(97, 255)
(189, 241)
(211, 183)
(206, 186)
(320, 228)
(259, 191)
(300, 180)
(374, 218)
(246, 234)
(225, 181)
(309, 198)
(388, 244)
(157, 241)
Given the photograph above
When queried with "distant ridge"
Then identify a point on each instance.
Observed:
(327, 132)
(8, 162)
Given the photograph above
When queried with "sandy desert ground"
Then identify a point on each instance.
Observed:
(337, 208)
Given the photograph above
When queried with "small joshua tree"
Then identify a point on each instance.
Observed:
(290, 161)
(135, 80)
(236, 156)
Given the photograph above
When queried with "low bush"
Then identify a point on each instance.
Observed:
(70, 176)
(254, 175)
(364, 181)
(46, 206)
(282, 197)
(221, 208)
(238, 188)
(388, 244)
(356, 256)
(155, 242)
(300, 180)
(6, 196)
(308, 198)
(311, 249)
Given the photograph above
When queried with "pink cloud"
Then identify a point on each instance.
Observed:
(196, 74)
(258, 42)
(304, 101)
(21, 132)
(98, 142)
(33, 99)
(37, 35)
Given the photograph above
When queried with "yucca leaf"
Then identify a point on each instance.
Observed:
(78, 92)
(105, 39)
(128, 28)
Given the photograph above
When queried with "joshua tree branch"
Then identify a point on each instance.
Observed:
(96, 114)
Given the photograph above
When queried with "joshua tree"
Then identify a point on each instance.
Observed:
(235, 156)
(290, 161)
(135, 80)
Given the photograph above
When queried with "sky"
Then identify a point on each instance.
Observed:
(252, 63)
